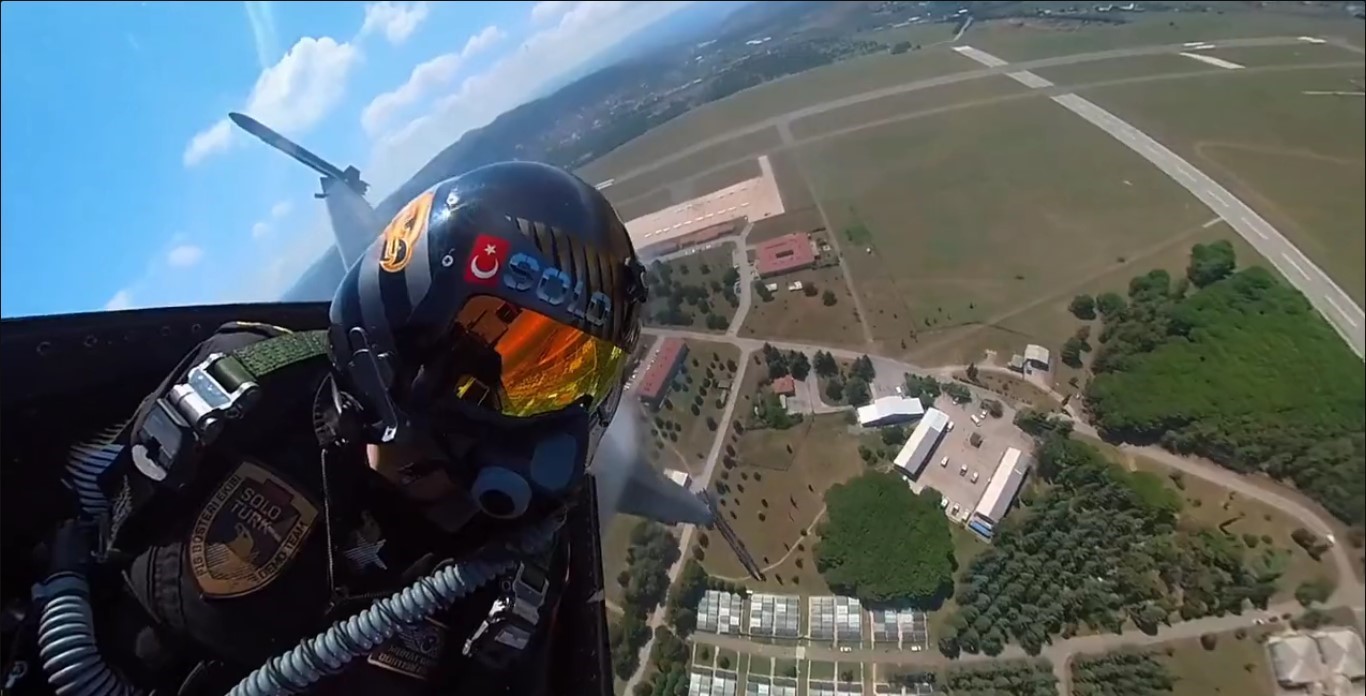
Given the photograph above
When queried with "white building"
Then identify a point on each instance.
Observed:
(1342, 653)
(680, 477)
(1036, 356)
(1002, 488)
(890, 410)
(918, 448)
(1295, 660)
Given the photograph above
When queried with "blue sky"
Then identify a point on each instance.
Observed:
(123, 186)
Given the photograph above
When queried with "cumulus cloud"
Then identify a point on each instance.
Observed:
(582, 31)
(396, 20)
(263, 228)
(547, 10)
(290, 96)
(281, 209)
(424, 79)
(184, 256)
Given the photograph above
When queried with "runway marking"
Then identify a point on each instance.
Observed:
(1296, 265)
(1312, 40)
(1212, 223)
(1216, 195)
(1255, 227)
(1345, 316)
(1181, 171)
(1211, 60)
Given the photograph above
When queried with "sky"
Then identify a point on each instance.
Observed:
(123, 185)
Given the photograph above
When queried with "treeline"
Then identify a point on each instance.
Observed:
(645, 581)
(1121, 673)
(851, 388)
(1100, 546)
(782, 60)
(669, 653)
(673, 299)
(1004, 678)
(1236, 367)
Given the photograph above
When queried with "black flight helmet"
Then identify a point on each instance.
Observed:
(494, 318)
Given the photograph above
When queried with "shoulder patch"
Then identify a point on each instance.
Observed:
(250, 529)
(415, 651)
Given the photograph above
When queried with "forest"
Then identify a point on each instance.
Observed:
(1120, 673)
(1003, 678)
(1098, 547)
(645, 581)
(674, 300)
(863, 550)
(1239, 368)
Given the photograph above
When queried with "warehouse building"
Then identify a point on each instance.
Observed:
(720, 612)
(790, 252)
(709, 684)
(920, 446)
(890, 410)
(659, 374)
(777, 616)
(763, 686)
(1002, 488)
(1295, 660)
(1342, 653)
(836, 618)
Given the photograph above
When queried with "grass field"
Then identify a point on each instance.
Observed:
(796, 316)
(1014, 40)
(1120, 68)
(771, 99)
(704, 267)
(1235, 667)
(783, 476)
(901, 105)
(679, 438)
(1296, 159)
(1299, 54)
(973, 213)
(724, 153)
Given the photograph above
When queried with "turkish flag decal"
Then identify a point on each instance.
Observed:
(486, 260)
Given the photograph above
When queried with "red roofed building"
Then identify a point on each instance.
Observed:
(659, 374)
(785, 385)
(787, 253)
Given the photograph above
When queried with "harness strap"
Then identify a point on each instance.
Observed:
(178, 424)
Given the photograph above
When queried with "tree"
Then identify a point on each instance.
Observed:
(1083, 307)
(900, 47)
(958, 392)
(825, 364)
(925, 388)
(1208, 641)
(1317, 590)
(893, 435)
(762, 291)
(1111, 304)
(975, 439)
(993, 407)
(856, 392)
(972, 372)
(863, 368)
(723, 661)
(834, 389)
(799, 365)
(711, 423)
(863, 553)
(1071, 352)
(828, 298)
(1210, 263)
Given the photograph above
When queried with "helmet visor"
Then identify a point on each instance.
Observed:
(521, 363)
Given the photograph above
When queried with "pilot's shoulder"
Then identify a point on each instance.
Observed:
(236, 334)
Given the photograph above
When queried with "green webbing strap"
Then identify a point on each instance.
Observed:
(251, 363)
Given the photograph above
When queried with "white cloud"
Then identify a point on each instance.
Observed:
(184, 256)
(396, 20)
(582, 32)
(122, 299)
(424, 79)
(213, 139)
(277, 211)
(290, 96)
(549, 9)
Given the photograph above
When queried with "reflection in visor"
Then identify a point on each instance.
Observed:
(543, 365)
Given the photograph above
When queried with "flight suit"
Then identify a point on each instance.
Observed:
(271, 543)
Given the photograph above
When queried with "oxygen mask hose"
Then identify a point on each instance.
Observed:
(66, 627)
(330, 651)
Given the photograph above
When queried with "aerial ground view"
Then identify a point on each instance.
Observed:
(867, 347)
(1049, 345)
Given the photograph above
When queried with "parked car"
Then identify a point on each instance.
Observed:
(974, 477)
(944, 462)
(963, 470)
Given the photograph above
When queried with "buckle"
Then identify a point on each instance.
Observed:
(205, 402)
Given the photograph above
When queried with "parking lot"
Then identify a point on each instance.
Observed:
(956, 486)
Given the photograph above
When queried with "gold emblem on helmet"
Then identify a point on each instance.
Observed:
(403, 232)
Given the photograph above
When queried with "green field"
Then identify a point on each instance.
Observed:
(973, 214)
(1298, 160)
(1235, 667)
(906, 105)
(1016, 40)
(792, 314)
(1121, 69)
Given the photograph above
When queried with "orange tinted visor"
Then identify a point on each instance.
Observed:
(541, 364)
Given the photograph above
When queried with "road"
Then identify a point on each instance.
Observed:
(1336, 306)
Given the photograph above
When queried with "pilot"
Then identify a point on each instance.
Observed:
(375, 508)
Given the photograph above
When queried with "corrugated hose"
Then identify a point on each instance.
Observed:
(328, 652)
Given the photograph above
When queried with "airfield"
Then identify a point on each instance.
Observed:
(973, 188)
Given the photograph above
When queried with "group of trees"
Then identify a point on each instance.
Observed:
(925, 388)
(645, 581)
(1242, 371)
(1100, 546)
(782, 363)
(863, 550)
(672, 299)
(1121, 673)
(852, 389)
(1003, 678)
